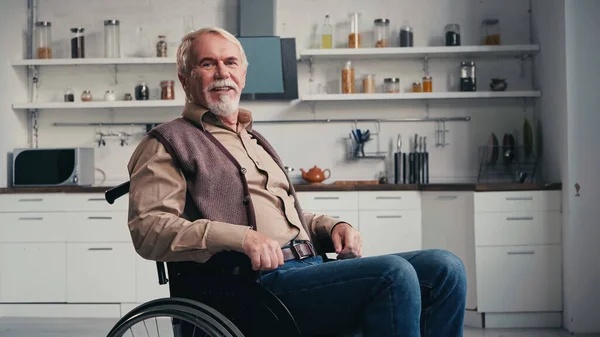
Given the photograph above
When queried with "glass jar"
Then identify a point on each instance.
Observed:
(167, 90)
(416, 87)
(452, 35)
(128, 97)
(110, 96)
(112, 39)
(86, 96)
(382, 31)
(354, 36)
(142, 92)
(406, 36)
(348, 79)
(161, 46)
(467, 76)
(368, 83)
(43, 39)
(427, 84)
(77, 43)
(391, 85)
(327, 34)
(69, 95)
(491, 32)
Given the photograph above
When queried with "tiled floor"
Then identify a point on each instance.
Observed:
(20, 327)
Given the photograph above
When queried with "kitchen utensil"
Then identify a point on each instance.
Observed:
(315, 175)
(508, 148)
(527, 138)
(412, 174)
(426, 161)
(492, 152)
(398, 167)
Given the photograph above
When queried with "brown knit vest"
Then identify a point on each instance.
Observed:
(216, 185)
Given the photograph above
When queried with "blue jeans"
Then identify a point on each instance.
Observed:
(412, 294)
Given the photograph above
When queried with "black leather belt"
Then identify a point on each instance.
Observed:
(298, 250)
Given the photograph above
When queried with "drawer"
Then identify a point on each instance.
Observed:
(388, 232)
(517, 228)
(519, 279)
(350, 217)
(98, 227)
(520, 201)
(100, 272)
(95, 202)
(33, 202)
(389, 200)
(33, 227)
(329, 201)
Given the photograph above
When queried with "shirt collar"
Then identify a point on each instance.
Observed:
(200, 115)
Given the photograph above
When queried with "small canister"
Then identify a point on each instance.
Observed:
(416, 87)
(468, 81)
(391, 85)
(43, 39)
(110, 96)
(368, 84)
(382, 27)
(452, 35)
(427, 84)
(86, 96)
(167, 90)
(161, 46)
(348, 79)
(128, 97)
(407, 36)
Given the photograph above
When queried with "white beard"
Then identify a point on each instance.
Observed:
(225, 107)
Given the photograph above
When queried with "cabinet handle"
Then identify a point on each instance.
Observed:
(31, 199)
(447, 197)
(96, 199)
(326, 198)
(519, 198)
(522, 253)
(517, 218)
(99, 248)
(388, 198)
(335, 216)
(31, 218)
(99, 217)
(389, 216)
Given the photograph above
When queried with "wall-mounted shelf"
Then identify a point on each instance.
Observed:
(421, 96)
(94, 61)
(100, 104)
(419, 52)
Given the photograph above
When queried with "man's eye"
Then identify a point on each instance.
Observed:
(231, 63)
(206, 65)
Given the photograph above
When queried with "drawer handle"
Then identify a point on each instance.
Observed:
(327, 198)
(96, 199)
(447, 197)
(388, 198)
(99, 248)
(389, 216)
(31, 199)
(31, 218)
(519, 218)
(522, 253)
(519, 198)
(99, 217)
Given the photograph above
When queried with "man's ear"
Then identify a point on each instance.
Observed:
(183, 81)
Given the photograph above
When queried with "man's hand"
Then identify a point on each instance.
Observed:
(264, 252)
(346, 241)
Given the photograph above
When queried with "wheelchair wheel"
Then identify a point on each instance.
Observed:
(176, 317)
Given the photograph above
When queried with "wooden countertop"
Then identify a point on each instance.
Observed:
(330, 187)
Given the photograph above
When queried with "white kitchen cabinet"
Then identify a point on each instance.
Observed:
(33, 227)
(447, 222)
(33, 272)
(328, 201)
(389, 200)
(100, 272)
(387, 232)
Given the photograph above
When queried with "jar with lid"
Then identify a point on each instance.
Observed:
(161, 46)
(491, 32)
(416, 87)
(167, 90)
(427, 83)
(43, 39)
(110, 96)
(382, 31)
(69, 95)
(112, 39)
(467, 76)
(142, 92)
(77, 43)
(391, 85)
(128, 97)
(354, 36)
(86, 96)
(348, 79)
(368, 84)
(452, 35)
(406, 36)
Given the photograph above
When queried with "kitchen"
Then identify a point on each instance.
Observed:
(463, 173)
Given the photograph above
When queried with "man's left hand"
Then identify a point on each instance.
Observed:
(347, 241)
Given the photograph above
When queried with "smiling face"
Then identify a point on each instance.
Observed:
(217, 75)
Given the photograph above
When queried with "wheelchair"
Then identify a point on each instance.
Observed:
(228, 300)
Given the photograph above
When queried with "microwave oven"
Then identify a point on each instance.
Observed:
(53, 167)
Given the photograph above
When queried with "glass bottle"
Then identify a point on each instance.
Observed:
(43, 39)
(427, 84)
(142, 92)
(452, 35)
(161, 46)
(326, 34)
(354, 36)
(69, 95)
(348, 79)
(112, 39)
(382, 27)
(467, 76)
(391, 85)
(77, 43)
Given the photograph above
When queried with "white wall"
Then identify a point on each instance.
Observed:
(320, 145)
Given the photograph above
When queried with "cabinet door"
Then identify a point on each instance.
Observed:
(448, 224)
(100, 272)
(33, 272)
(147, 287)
(387, 232)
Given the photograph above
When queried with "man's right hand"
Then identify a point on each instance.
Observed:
(264, 252)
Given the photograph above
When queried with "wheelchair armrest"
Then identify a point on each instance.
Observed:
(116, 192)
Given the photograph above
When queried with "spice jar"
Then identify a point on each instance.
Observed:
(128, 97)
(161, 46)
(77, 43)
(142, 92)
(491, 32)
(348, 79)
(406, 36)
(382, 33)
(86, 96)
(368, 84)
(427, 84)
(167, 90)
(452, 35)
(110, 96)
(43, 39)
(416, 87)
(391, 85)
(112, 39)
(467, 76)
(354, 37)
(69, 95)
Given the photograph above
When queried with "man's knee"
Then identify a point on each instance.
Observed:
(396, 271)
(449, 265)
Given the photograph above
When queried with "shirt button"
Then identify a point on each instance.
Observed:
(243, 170)
(246, 200)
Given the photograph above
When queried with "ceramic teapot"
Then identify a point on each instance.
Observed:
(315, 175)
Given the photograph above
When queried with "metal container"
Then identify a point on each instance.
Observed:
(468, 80)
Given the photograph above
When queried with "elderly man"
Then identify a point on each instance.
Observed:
(207, 182)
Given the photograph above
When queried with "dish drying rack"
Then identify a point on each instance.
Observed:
(499, 164)
(359, 140)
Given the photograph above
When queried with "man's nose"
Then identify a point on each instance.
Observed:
(222, 71)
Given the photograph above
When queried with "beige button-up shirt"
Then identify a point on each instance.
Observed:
(158, 191)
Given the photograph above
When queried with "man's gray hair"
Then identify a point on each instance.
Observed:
(185, 51)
